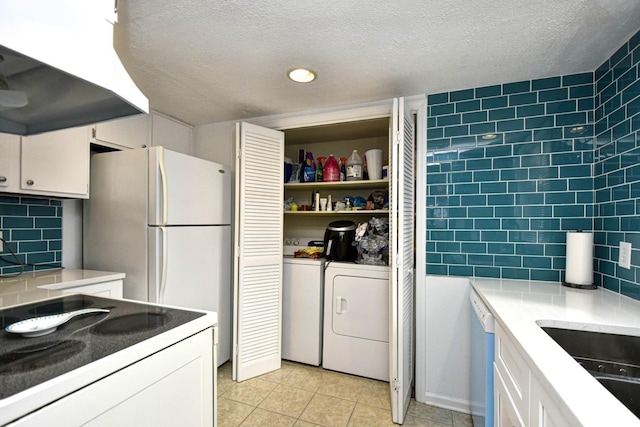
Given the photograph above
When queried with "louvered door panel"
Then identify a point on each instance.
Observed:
(402, 244)
(258, 262)
(407, 218)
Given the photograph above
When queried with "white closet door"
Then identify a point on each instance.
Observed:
(258, 252)
(402, 261)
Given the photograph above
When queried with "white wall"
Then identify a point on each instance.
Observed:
(72, 233)
(443, 315)
(442, 342)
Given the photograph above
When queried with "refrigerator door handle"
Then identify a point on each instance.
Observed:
(163, 260)
(163, 183)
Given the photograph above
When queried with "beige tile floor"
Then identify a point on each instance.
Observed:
(301, 395)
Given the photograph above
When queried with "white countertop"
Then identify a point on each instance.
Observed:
(521, 306)
(33, 286)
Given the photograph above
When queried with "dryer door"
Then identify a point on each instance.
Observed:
(361, 307)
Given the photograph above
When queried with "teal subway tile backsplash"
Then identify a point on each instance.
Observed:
(32, 228)
(516, 87)
(550, 155)
(520, 153)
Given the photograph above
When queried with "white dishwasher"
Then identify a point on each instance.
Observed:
(302, 309)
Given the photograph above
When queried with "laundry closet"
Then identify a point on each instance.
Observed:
(334, 307)
(362, 314)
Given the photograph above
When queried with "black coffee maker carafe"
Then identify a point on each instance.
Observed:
(338, 241)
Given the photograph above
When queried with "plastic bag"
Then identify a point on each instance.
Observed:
(372, 241)
(379, 199)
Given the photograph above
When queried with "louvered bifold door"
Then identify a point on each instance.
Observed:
(258, 258)
(402, 259)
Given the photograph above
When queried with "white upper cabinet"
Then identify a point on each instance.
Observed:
(56, 163)
(170, 134)
(128, 132)
(9, 163)
(144, 130)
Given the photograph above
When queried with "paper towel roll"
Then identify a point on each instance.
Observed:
(579, 270)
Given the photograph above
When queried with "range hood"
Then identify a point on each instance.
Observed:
(58, 67)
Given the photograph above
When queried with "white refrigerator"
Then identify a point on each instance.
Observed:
(164, 219)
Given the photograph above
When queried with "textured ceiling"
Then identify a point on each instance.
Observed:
(212, 61)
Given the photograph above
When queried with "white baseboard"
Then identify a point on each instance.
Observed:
(446, 402)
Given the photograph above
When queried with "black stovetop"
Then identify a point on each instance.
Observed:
(26, 362)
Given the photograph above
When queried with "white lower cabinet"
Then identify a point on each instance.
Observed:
(514, 371)
(174, 387)
(520, 398)
(544, 411)
(506, 414)
(112, 289)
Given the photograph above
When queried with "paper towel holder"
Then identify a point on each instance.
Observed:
(576, 285)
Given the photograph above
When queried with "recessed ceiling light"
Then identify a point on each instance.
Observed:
(302, 75)
(489, 136)
(577, 129)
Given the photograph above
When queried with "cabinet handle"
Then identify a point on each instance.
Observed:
(30, 182)
(3, 179)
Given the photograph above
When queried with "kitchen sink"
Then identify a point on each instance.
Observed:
(626, 390)
(612, 359)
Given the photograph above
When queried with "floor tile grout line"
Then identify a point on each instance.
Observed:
(361, 389)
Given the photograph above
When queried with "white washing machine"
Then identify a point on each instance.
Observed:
(302, 300)
(356, 319)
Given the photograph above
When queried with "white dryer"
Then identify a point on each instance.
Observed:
(356, 320)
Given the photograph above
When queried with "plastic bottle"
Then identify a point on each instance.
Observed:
(354, 167)
(365, 173)
(309, 169)
(343, 169)
(320, 169)
(331, 169)
(301, 162)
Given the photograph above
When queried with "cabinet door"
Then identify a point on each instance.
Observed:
(56, 163)
(9, 163)
(170, 134)
(506, 414)
(544, 411)
(258, 254)
(128, 132)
